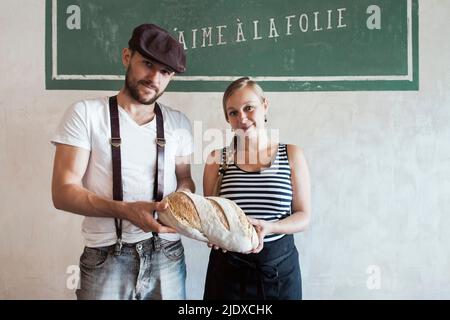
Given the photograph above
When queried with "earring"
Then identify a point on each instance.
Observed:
(265, 119)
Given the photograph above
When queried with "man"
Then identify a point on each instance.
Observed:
(111, 149)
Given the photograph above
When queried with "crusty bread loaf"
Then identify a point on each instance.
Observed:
(210, 219)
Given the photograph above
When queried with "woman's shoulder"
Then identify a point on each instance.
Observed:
(214, 157)
(292, 148)
(217, 152)
(294, 152)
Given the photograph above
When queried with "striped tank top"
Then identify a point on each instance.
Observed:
(265, 194)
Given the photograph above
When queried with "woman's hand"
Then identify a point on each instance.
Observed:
(262, 228)
(215, 247)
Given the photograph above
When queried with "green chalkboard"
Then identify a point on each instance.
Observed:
(289, 45)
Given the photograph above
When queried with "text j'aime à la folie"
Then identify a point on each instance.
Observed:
(258, 29)
(272, 28)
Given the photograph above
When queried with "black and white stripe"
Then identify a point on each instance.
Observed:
(266, 194)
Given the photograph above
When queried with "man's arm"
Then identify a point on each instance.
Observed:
(183, 173)
(68, 193)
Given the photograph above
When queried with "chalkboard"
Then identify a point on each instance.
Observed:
(289, 45)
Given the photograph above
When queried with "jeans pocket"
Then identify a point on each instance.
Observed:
(93, 258)
(173, 250)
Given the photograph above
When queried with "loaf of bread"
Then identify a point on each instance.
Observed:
(210, 219)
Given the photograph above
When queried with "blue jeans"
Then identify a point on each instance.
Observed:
(147, 270)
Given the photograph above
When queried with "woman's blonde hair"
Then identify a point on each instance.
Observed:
(239, 84)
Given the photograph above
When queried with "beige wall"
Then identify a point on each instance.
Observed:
(380, 166)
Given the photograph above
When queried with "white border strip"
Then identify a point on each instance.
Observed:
(312, 79)
(408, 76)
(54, 42)
(410, 41)
(88, 77)
(231, 78)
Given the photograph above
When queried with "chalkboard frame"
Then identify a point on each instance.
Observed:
(407, 82)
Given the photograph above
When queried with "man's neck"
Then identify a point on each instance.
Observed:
(140, 113)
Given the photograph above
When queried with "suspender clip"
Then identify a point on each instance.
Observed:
(118, 247)
(115, 142)
(161, 142)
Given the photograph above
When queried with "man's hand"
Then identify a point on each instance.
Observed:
(140, 214)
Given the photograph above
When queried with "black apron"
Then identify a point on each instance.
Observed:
(272, 274)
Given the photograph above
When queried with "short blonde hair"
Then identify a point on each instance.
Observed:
(239, 84)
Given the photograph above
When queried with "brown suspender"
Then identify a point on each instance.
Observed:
(116, 165)
(158, 191)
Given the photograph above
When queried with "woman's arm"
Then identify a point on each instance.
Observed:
(210, 173)
(183, 174)
(301, 192)
(301, 202)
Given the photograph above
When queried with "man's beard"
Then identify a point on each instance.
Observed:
(134, 91)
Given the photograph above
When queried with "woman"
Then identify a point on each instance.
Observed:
(270, 182)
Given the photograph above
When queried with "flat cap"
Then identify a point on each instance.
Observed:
(153, 42)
